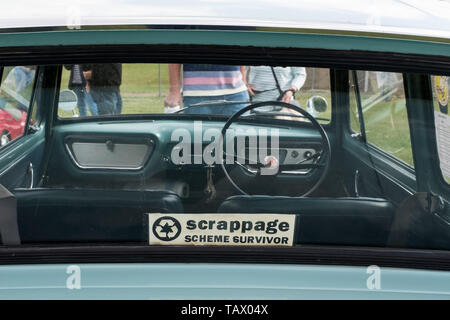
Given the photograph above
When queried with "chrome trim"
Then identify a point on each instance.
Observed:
(299, 172)
(31, 173)
(356, 183)
(301, 151)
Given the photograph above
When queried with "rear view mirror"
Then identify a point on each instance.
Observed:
(67, 100)
(317, 103)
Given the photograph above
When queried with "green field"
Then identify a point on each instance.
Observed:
(387, 127)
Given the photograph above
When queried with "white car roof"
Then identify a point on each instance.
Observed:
(409, 17)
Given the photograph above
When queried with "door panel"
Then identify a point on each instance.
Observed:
(16, 158)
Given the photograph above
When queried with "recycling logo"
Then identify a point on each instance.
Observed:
(166, 228)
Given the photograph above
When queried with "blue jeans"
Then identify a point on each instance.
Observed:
(229, 109)
(91, 104)
(81, 104)
(85, 98)
(108, 99)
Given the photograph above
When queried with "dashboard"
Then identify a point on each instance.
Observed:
(138, 154)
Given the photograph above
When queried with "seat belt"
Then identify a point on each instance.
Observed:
(9, 229)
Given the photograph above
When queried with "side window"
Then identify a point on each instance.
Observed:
(16, 91)
(381, 97)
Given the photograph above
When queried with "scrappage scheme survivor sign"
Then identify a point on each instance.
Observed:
(222, 229)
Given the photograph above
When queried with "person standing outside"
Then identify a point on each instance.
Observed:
(104, 82)
(203, 83)
(267, 83)
(77, 83)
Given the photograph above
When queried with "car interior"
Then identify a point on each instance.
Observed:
(93, 179)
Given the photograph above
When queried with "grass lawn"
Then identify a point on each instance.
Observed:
(387, 127)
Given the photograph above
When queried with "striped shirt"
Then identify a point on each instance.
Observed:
(211, 80)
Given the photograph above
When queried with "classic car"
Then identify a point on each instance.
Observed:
(180, 179)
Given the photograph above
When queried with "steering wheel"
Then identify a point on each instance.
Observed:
(323, 156)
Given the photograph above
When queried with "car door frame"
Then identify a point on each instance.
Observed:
(21, 159)
(395, 180)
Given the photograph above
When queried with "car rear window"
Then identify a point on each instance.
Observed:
(224, 155)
